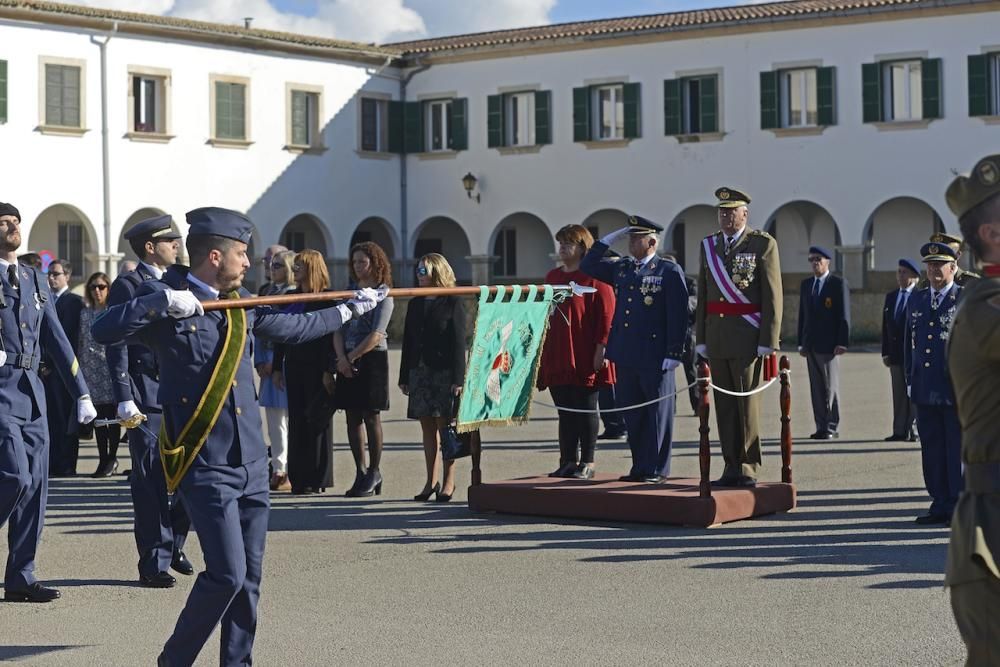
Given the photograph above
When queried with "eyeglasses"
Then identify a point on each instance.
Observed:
(99, 286)
(422, 271)
(277, 265)
(815, 259)
(57, 273)
(296, 267)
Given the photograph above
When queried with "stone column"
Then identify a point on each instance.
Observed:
(482, 268)
(854, 264)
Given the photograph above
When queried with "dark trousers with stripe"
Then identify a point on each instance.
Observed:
(24, 490)
(941, 455)
(650, 428)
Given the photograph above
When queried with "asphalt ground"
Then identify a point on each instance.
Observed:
(847, 578)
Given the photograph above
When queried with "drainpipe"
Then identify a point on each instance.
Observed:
(105, 149)
(404, 224)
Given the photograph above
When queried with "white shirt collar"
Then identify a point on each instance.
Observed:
(909, 290)
(735, 237)
(211, 290)
(645, 260)
(4, 264)
(155, 270)
(943, 291)
(821, 279)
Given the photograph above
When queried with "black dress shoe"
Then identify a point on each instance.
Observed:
(630, 478)
(33, 593)
(612, 435)
(564, 470)
(158, 580)
(371, 484)
(181, 564)
(822, 435)
(725, 482)
(652, 479)
(745, 482)
(894, 438)
(932, 519)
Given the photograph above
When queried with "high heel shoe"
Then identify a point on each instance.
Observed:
(425, 496)
(359, 478)
(371, 485)
(106, 468)
(444, 497)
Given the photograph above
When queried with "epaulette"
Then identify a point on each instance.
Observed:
(760, 232)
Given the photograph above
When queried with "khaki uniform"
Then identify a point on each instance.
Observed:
(973, 571)
(732, 343)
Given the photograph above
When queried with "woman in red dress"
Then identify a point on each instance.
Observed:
(573, 366)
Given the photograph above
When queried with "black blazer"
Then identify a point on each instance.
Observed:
(824, 321)
(68, 309)
(894, 329)
(434, 332)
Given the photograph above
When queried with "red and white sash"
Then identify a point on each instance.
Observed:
(726, 285)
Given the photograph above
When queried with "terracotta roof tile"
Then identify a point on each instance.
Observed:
(676, 21)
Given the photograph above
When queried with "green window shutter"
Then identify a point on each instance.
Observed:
(413, 127)
(673, 122)
(494, 121)
(230, 110)
(826, 110)
(458, 139)
(871, 93)
(3, 91)
(543, 117)
(979, 85)
(300, 118)
(770, 110)
(395, 127)
(581, 114)
(709, 104)
(631, 99)
(930, 84)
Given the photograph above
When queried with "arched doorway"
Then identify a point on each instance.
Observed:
(796, 226)
(523, 247)
(605, 221)
(445, 237)
(897, 228)
(67, 233)
(685, 233)
(305, 231)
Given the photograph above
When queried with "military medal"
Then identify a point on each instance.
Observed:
(648, 301)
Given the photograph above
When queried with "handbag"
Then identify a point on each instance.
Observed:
(455, 445)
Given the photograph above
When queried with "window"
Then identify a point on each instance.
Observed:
(63, 96)
(984, 85)
(71, 244)
(518, 119)
(148, 104)
(606, 112)
(797, 98)
(304, 118)
(374, 124)
(901, 90)
(230, 110)
(3, 91)
(691, 105)
(438, 125)
(505, 250)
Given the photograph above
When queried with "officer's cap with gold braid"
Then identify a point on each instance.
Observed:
(215, 221)
(159, 228)
(937, 252)
(638, 225)
(731, 198)
(945, 237)
(967, 192)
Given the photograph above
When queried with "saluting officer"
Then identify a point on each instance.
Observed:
(160, 527)
(646, 341)
(29, 328)
(974, 360)
(738, 322)
(929, 315)
(211, 438)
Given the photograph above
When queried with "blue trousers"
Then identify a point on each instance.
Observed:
(941, 455)
(650, 429)
(160, 526)
(24, 492)
(228, 508)
(613, 421)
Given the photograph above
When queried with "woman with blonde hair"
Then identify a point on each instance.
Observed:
(432, 367)
(362, 388)
(299, 369)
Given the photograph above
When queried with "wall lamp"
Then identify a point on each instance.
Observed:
(469, 183)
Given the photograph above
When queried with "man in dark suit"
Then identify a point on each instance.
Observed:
(64, 434)
(211, 438)
(824, 332)
(893, 339)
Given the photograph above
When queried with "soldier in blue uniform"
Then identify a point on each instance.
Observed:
(160, 527)
(211, 438)
(929, 314)
(646, 341)
(29, 327)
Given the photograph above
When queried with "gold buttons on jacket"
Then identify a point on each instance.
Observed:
(927, 364)
(234, 383)
(930, 337)
(184, 399)
(194, 328)
(627, 311)
(927, 351)
(626, 325)
(238, 411)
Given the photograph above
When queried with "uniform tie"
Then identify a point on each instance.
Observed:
(901, 303)
(730, 242)
(816, 284)
(12, 276)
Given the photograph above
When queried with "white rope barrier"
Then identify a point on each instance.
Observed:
(668, 396)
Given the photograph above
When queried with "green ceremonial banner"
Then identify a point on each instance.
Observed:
(503, 363)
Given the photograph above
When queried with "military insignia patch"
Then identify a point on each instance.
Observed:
(988, 173)
(933, 250)
(828, 303)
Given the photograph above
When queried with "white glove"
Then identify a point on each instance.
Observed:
(614, 236)
(182, 303)
(670, 364)
(763, 351)
(127, 410)
(85, 410)
(3, 357)
(365, 300)
(701, 350)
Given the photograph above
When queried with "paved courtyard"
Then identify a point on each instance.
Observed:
(845, 579)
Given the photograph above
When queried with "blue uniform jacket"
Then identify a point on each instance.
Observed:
(30, 327)
(925, 361)
(186, 351)
(651, 309)
(824, 320)
(133, 369)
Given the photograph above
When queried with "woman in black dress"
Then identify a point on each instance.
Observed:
(299, 369)
(362, 388)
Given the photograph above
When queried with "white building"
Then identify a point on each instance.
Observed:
(842, 118)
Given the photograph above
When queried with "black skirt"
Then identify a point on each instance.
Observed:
(368, 390)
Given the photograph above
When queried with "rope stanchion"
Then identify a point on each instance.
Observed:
(785, 403)
(704, 445)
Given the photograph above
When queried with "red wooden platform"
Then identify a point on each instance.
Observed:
(604, 498)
